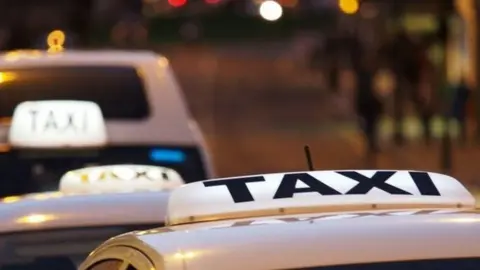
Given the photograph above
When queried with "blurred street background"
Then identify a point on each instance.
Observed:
(265, 78)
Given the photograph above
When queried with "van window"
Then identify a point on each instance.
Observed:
(118, 90)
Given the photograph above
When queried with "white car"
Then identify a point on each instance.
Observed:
(146, 117)
(57, 230)
(328, 220)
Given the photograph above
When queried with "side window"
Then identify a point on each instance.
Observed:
(111, 264)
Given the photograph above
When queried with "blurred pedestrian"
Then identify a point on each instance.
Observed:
(459, 107)
(367, 104)
(129, 33)
(130, 30)
(423, 93)
(404, 57)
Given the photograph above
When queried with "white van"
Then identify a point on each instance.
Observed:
(145, 115)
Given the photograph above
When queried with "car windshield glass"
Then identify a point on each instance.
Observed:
(56, 249)
(438, 264)
(119, 91)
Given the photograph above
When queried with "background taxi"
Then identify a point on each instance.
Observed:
(128, 104)
(57, 230)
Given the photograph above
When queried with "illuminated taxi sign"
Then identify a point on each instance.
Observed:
(57, 124)
(314, 191)
(120, 178)
(56, 41)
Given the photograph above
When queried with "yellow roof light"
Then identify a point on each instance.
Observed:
(56, 41)
(349, 6)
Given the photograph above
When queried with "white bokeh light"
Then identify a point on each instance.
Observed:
(270, 10)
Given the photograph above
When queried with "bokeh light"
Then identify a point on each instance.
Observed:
(270, 10)
(349, 6)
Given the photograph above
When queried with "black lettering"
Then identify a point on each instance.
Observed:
(288, 187)
(237, 187)
(51, 123)
(424, 183)
(378, 180)
(70, 122)
(143, 173)
(34, 114)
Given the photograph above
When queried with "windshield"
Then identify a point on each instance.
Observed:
(438, 264)
(118, 90)
(56, 249)
(29, 171)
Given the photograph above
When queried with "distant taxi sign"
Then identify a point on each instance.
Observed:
(56, 41)
(120, 178)
(314, 191)
(57, 124)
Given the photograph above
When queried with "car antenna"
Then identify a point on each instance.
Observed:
(308, 156)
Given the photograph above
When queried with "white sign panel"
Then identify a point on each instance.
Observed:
(120, 178)
(57, 124)
(345, 190)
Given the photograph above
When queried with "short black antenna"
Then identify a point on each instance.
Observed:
(309, 158)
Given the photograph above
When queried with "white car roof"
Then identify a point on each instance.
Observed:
(54, 210)
(318, 240)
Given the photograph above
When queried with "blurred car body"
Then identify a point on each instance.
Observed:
(328, 220)
(146, 117)
(57, 230)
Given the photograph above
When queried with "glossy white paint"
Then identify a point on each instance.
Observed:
(87, 127)
(318, 240)
(215, 202)
(170, 122)
(120, 178)
(67, 211)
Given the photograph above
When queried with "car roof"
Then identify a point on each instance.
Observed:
(36, 57)
(318, 239)
(56, 210)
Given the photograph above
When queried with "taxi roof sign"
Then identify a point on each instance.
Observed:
(314, 191)
(56, 41)
(57, 124)
(119, 178)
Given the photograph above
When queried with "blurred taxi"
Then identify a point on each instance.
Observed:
(328, 220)
(57, 230)
(145, 116)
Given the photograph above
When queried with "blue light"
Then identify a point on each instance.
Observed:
(167, 155)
